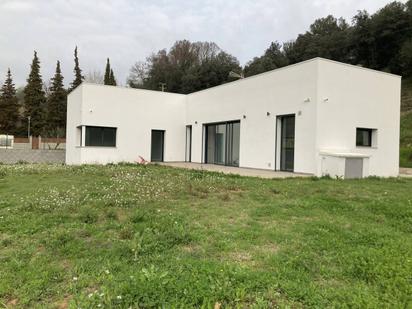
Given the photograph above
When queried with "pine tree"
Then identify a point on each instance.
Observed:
(56, 103)
(34, 98)
(107, 73)
(112, 78)
(9, 108)
(78, 77)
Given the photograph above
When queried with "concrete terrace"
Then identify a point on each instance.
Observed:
(251, 172)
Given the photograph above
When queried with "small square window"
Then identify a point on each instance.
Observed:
(365, 137)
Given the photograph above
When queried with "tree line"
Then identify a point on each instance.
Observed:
(39, 108)
(381, 41)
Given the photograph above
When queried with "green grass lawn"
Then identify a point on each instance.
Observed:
(152, 236)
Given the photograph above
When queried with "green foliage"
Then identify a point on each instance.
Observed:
(121, 236)
(406, 140)
(380, 41)
(327, 38)
(9, 107)
(273, 58)
(35, 98)
(56, 103)
(112, 78)
(186, 68)
(109, 78)
(78, 77)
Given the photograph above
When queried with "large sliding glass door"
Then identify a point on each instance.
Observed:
(222, 143)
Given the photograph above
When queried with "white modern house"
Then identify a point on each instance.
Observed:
(318, 117)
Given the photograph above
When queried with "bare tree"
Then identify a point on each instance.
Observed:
(138, 73)
(94, 77)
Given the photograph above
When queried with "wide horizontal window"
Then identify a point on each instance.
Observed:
(364, 137)
(100, 136)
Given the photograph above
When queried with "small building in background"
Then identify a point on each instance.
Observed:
(6, 141)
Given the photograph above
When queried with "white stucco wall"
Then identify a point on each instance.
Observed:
(279, 92)
(134, 113)
(353, 97)
(74, 119)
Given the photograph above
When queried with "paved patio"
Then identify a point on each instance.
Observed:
(405, 172)
(234, 170)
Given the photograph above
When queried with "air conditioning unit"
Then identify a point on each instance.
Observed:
(6, 141)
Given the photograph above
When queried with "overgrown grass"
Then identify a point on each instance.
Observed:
(406, 140)
(151, 236)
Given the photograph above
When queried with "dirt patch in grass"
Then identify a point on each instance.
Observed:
(12, 303)
(268, 248)
(191, 248)
(64, 304)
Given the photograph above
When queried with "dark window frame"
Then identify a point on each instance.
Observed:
(163, 136)
(204, 143)
(281, 119)
(103, 142)
(369, 141)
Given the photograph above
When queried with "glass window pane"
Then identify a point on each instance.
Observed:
(220, 143)
(364, 137)
(100, 136)
(109, 137)
(211, 130)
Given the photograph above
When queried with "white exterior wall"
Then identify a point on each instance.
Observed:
(359, 98)
(356, 97)
(74, 119)
(134, 113)
(279, 92)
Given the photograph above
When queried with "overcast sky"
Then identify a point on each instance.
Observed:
(129, 30)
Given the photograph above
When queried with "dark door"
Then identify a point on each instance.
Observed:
(158, 137)
(287, 143)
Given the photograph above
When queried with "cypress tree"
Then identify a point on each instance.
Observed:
(56, 103)
(9, 108)
(78, 77)
(34, 97)
(107, 80)
(112, 78)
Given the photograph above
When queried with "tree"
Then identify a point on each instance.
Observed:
(327, 38)
(107, 71)
(9, 108)
(273, 58)
(78, 77)
(56, 102)
(94, 77)
(187, 67)
(138, 74)
(112, 78)
(34, 98)
(390, 28)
